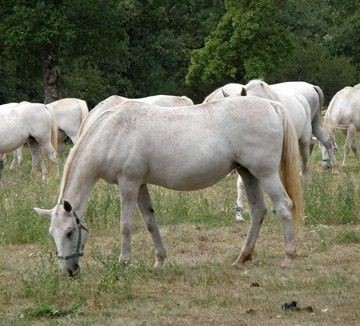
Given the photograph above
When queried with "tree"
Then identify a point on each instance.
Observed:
(41, 35)
(248, 42)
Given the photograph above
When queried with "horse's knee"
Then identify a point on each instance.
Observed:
(284, 209)
(259, 212)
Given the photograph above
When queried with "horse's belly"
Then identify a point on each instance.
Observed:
(10, 138)
(188, 178)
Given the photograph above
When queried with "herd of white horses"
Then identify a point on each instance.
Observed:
(263, 132)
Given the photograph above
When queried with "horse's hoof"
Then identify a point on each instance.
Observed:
(124, 262)
(238, 265)
(239, 219)
(159, 264)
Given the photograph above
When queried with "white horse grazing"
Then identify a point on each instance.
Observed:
(232, 89)
(114, 100)
(344, 113)
(189, 148)
(31, 123)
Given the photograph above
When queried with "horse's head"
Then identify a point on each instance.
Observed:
(69, 234)
(257, 87)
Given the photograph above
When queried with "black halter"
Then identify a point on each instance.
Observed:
(78, 253)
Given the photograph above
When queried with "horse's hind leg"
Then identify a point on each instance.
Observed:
(13, 162)
(349, 141)
(35, 151)
(257, 212)
(51, 154)
(17, 157)
(283, 206)
(1, 164)
(239, 200)
(128, 195)
(304, 147)
(354, 149)
(147, 211)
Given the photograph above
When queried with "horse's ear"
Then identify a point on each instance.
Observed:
(224, 93)
(243, 92)
(67, 206)
(43, 212)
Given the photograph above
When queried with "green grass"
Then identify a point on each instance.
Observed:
(349, 237)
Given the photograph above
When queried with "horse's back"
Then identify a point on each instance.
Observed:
(188, 143)
(166, 100)
(8, 105)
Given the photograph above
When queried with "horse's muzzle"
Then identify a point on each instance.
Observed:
(74, 270)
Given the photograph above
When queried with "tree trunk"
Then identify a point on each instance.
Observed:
(51, 74)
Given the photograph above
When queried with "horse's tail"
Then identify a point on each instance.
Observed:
(318, 131)
(321, 96)
(54, 130)
(83, 109)
(290, 165)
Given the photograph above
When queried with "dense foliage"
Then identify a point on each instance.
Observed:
(93, 49)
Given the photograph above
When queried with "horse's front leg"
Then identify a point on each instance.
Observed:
(128, 196)
(147, 211)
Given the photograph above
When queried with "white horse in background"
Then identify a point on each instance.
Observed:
(114, 100)
(344, 113)
(315, 98)
(298, 109)
(232, 89)
(299, 112)
(32, 123)
(17, 154)
(69, 113)
(304, 112)
(190, 148)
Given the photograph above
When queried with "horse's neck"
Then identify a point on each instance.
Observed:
(77, 185)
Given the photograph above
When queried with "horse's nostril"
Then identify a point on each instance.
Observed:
(76, 267)
(70, 272)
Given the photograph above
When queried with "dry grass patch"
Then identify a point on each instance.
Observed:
(198, 285)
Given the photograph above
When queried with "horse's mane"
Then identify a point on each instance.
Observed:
(72, 155)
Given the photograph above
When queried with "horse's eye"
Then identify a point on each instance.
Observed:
(69, 234)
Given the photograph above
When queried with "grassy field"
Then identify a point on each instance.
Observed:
(198, 285)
